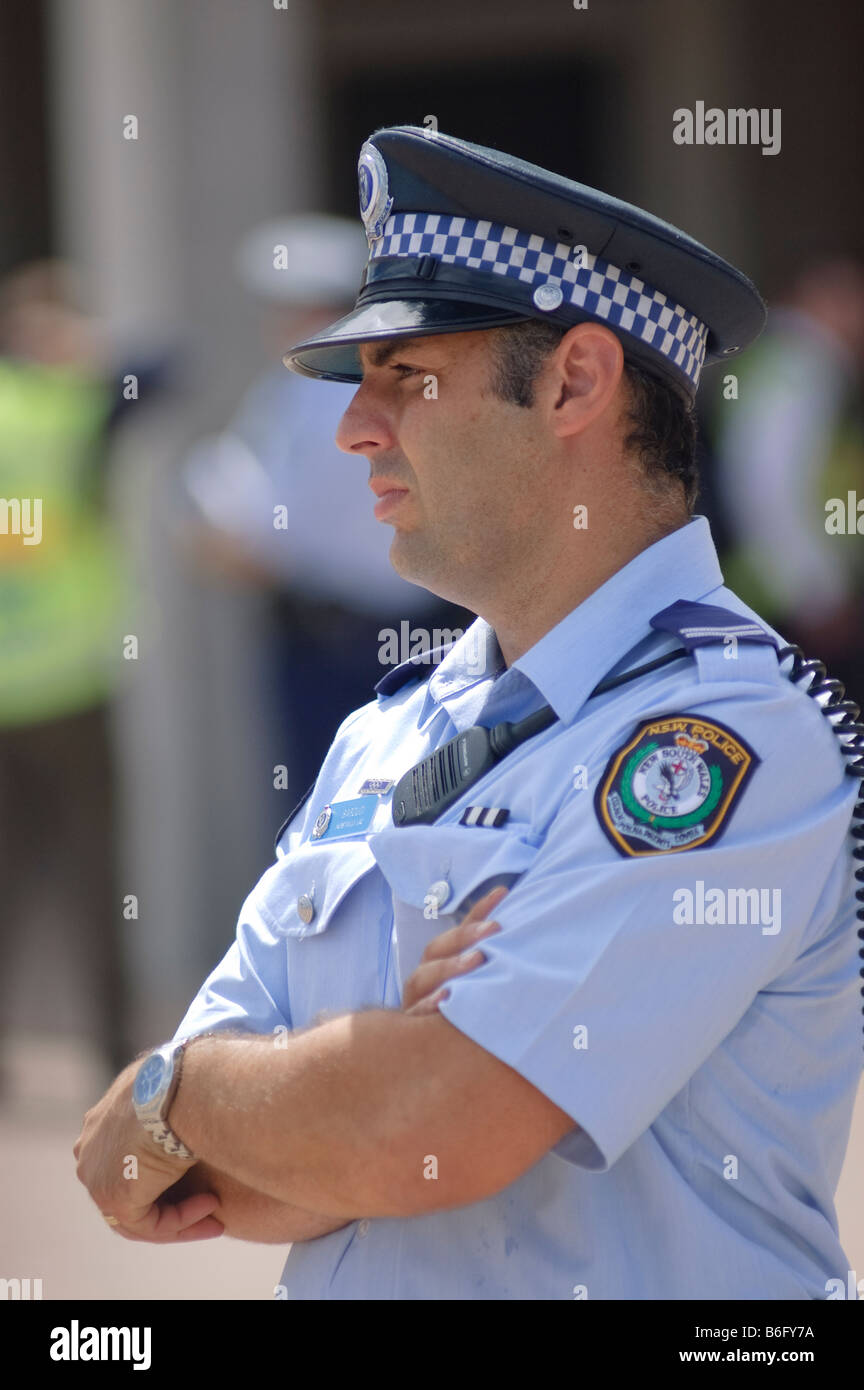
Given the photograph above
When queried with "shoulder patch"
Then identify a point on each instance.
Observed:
(673, 785)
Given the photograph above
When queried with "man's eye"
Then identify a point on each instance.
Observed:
(404, 370)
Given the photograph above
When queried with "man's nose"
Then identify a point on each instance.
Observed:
(365, 426)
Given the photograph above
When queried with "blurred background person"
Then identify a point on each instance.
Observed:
(791, 441)
(274, 502)
(60, 603)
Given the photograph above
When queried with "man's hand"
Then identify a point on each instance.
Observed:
(126, 1172)
(452, 953)
(249, 1215)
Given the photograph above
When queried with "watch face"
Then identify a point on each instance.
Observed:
(149, 1080)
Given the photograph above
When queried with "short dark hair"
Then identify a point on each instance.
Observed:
(664, 423)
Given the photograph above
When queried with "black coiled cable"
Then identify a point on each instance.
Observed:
(844, 717)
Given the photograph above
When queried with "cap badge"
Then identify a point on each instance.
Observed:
(375, 205)
(548, 296)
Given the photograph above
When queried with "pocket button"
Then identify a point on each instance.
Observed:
(439, 891)
(305, 908)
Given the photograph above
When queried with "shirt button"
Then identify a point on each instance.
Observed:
(439, 891)
(305, 908)
(362, 1230)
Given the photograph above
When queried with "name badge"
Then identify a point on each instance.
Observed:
(345, 818)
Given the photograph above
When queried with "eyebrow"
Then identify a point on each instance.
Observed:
(380, 354)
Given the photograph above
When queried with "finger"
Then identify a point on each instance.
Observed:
(168, 1231)
(429, 977)
(166, 1222)
(206, 1229)
(429, 1005)
(190, 1210)
(485, 905)
(458, 939)
(475, 924)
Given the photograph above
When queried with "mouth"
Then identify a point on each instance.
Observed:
(389, 496)
(388, 502)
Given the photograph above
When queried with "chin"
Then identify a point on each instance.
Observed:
(405, 563)
(414, 563)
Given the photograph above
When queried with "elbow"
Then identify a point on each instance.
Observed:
(423, 1179)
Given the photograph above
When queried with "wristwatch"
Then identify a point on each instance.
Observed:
(155, 1087)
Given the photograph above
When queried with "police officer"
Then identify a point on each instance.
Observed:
(552, 989)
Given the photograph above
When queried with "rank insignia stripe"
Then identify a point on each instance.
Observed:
(488, 817)
(673, 785)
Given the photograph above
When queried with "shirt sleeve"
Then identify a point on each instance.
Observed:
(595, 989)
(248, 988)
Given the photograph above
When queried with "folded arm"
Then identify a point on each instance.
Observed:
(250, 1215)
(345, 1119)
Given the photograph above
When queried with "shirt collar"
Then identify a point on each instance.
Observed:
(570, 659)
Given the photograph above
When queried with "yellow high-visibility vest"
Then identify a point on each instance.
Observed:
(61, 576)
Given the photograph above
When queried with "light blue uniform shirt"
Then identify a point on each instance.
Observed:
(710, 1069)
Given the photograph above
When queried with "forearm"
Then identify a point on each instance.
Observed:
(250, 1215)
(314, 1123)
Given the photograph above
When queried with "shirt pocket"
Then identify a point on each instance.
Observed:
(312, 881)
(325, 904)
(437, 873)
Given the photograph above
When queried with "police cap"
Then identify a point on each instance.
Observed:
(464, 237)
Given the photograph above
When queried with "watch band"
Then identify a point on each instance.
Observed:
(157, 1126)
(165, 1135)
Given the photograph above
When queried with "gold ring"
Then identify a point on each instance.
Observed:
(112, 1220)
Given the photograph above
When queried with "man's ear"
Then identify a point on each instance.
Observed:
(585, 371)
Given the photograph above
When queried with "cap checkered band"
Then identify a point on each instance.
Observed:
(594, 285)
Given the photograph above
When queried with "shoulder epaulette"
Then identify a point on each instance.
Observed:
(288, 819)
(698, 624)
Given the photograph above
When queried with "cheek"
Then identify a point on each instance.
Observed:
(468, 462)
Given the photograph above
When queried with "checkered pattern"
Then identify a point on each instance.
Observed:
(600, 288)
